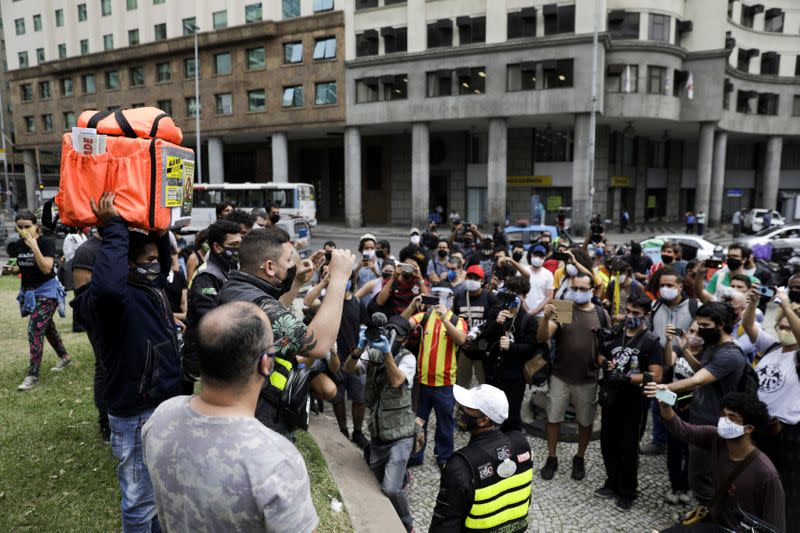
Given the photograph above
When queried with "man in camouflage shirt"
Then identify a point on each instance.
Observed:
(214, 467)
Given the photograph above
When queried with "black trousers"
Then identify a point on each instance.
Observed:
(619, 440)
(515, 392)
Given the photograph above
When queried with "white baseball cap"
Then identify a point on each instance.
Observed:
(489, 400)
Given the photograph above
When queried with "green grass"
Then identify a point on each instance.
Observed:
(56, 474)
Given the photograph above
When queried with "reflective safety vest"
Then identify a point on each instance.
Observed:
(502, 472)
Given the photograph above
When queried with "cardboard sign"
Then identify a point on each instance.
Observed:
(563, 311)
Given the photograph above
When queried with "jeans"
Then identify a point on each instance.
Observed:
(138, 497)
(387, 460)
(660, 435)
(443, 403)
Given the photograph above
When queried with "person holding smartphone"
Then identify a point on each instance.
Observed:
(40, 296)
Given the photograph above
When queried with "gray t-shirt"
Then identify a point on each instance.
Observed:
(224, 473)
(726, 362)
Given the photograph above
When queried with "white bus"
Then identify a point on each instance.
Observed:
(296, 200)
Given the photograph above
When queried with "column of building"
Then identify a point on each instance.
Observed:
(718, 179)
(705, 158)
(280, 157)
(581, 210)
(772, 169)
(29, 162)
(352, 177)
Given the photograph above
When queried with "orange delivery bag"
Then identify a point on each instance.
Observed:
(151, 176)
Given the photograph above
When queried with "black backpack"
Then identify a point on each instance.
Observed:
(748, 381)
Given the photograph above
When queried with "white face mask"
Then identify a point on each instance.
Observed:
(622, 279)
(729, 430)
(369, 254)
(415, 239)
(668, 293)
(787, 338)
(572, 270)
(580, 298)
(472, 285)
(537, 261)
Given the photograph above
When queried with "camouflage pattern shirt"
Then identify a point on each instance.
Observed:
(224, 473)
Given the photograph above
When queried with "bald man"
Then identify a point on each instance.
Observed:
(193, 445)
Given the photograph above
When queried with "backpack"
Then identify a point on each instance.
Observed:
(748, 382)
(693, 306)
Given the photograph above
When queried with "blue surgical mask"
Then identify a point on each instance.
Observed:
(451, 275)
(580, 298)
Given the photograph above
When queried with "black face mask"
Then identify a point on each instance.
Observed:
(230, 256)
(794, 295)
(734, 264)
(286, 283)
(710, 336)
(465, 421)
(146, 273)
(468, 243)
(516, 257)
(667, 259)
(380, 254)
(441, 253)
(274, 218)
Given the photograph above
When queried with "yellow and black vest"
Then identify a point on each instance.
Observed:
(502, 472)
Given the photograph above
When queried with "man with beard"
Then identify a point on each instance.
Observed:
(670, 254)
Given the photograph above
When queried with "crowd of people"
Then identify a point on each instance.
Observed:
(459, 323)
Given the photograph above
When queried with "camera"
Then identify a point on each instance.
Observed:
(606, 338)
(376, 326)
(596, 228)
(507, 300)
(473, 333)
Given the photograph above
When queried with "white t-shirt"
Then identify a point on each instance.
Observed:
(541, 281)
(778, 384)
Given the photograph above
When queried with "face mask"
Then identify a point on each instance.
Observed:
(486, 252)
(516, 257)
(729, 430)
(466, 422)
(468, 243)
(794, 295)
(668, 293)
(368, 254)
(787, 338)
(274, 218)
(694, 341)
(580, 298)
(380, 254)
(415, 239)
(733, 264)
(572, 270)
(441, 253)
(537, 261)
(286, 283)
(710, 336)
(451, 275)
(472, 285)
(622, 279)
(633, 322)
(147, 272)
(667, 259)
(386, 275)
(599, 252)
(328, 256)
(231, 256)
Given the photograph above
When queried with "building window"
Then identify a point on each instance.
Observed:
(112, 80)
(133, 37)
(471, 30)
(105, 7)
(743, 101)
(622, 78)
(325, 48)
(395, 87)
(366, 90)
(325, 93)
(108, 42)
(770, 63)
(394, 40)
(89, 85)
(743, 60)
(157, 2)
(220, 19)
(45, 90)
(255, 58)
(522, 76)
(471, 80)
(439, 83)
(323, 5)
(47, 122)
(23, 59)
(37, 23)
(191, 107)
(366, 4)
(623, 24)
(440, 33)
(659, 28)
(224, 103)
(189, 67)
(656, 79)
(139, 104)
(27, 92)
(62, 51)
(552, 146)
(19, 25)
(39, 56)
(160, 31)
(136, 76)
(796, 106)
(69, 119)
(522, 23)
(797, 66)
(367, 43)
(773, 20)
(557, 73)
(188, 25)
(256, 100)
(81, 12)
(558, 19)
(252, 12)
(165, 106)
(222, 63)
(293, 96)
(59, 18)
(84, 46)
(767, 104)
(30, 124)
(163, 72)
(292, 53)
(748, 14)
(132, 4)
(66, 87)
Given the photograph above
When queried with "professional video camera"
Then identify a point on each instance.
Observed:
(596, 228)
(376, 326)
(605, 340)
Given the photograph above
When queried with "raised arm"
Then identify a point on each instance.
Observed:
(322, 332)
(699, 286)
(749, 316)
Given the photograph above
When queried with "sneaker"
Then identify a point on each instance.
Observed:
(672, 497)
(652, 448)
(685, 496)
(549, 469)
(360, 439)
(624, 503)
(62, 364)
(578, 468)
(28, 383)
(605, 492)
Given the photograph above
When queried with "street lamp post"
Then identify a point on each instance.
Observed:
(593, 115)
(195, 29)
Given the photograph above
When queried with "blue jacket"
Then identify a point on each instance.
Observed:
(132, 327)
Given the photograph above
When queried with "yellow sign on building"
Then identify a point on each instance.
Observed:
(621, 181)
(530, 181)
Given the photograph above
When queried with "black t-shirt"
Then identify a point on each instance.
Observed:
(474, 314)
(725, 362)
(639, 263)
(174, 290)
(634, 355)
(31, 275)
(86, 254)
(353, 315)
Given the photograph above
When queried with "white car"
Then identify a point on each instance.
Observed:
(754, 220)
(765, 236)
(705, 249)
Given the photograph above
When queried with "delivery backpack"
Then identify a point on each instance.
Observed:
(142, 164)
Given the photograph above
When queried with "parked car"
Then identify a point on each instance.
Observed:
(694, 247)
(754, 220)
(530, 234)
(765, 236)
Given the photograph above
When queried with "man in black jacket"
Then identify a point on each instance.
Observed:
(511, 334)
(224, 241)
(127, 313)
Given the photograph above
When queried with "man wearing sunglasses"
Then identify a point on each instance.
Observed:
(266, 486)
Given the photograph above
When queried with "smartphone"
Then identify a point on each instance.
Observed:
(559, 256)
(666, 396)
(302, 233)
(647, 377)
(713, 263)
(408, 269)
(427, 299)
(679, 332)
(765, 290)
